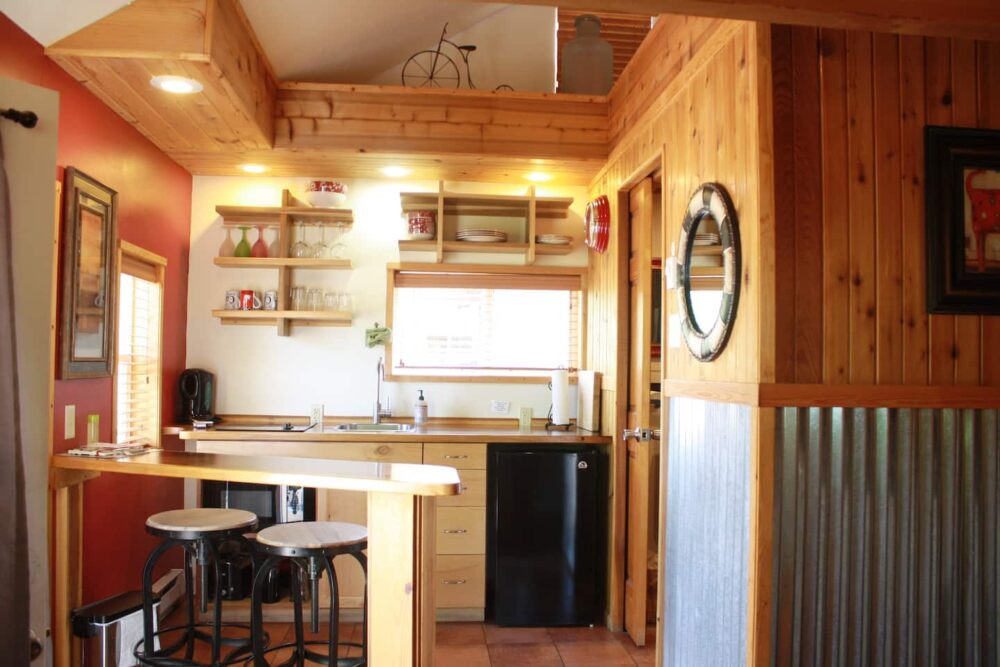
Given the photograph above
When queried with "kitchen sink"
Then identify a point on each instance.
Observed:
(374, 428)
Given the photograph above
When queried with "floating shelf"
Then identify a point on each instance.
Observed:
(514, 206)
(269, 216)
(282, 262)
(328, 318)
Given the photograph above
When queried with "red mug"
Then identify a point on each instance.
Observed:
(249, 300)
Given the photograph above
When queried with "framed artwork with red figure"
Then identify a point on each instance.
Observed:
(962, 220)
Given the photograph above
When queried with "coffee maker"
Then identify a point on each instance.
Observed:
(196, 389)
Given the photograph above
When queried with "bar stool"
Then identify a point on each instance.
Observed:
(311, 546)
(200, 533)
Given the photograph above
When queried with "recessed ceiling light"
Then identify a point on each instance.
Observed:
(253, 168)
(178, 85)
(538, 177)
(396, 172)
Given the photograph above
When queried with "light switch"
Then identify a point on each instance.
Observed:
(70, 426)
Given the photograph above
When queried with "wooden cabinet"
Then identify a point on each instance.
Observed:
(281, 219)
(460, 582)
(516, 215)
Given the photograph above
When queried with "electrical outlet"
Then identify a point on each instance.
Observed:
(69, 428)
(499, 407)
(316, 414)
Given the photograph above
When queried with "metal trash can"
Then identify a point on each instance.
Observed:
(103, 628)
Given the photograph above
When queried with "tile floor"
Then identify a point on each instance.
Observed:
(487, 645)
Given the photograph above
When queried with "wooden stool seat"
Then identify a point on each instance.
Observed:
(201, 520)
(313, 535)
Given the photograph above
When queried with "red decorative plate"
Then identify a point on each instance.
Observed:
(597, 224)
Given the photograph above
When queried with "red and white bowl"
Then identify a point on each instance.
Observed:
(326, 194)
(420, 225)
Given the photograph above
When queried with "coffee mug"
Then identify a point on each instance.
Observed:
(249, 300)
(271, 299)
(232, 299)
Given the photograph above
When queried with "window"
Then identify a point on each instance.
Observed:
(509, 324)
(138, 365)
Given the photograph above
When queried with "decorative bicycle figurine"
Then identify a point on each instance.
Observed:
(435, 69)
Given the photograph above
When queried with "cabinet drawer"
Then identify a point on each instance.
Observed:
(388, 452)
(473, 491)
(460, 581)
(461, 530)
(455, 455)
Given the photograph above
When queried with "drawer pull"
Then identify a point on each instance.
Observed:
(455, 531)
(453, 582)
(456, 457)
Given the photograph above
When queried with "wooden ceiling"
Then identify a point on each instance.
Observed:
(624, 32)
(244, 116)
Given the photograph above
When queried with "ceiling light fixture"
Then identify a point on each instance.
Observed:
(538, 177)
(396, 172)
(179, 85)
(253, 168)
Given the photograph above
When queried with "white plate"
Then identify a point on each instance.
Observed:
(552, 241)
(484, 239)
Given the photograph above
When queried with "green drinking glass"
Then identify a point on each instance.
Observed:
(243, 247)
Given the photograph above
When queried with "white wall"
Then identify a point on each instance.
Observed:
(262, 373)
(515, 46)
(30, 157)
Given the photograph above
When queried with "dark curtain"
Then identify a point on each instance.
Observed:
(14, 591)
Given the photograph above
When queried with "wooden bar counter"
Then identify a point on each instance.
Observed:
(401, 506)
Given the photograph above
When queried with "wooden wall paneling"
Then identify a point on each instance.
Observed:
(760, 589)
(915, 331)
(760, 142)
(836, 229)
(968, 340)
(861, 198)
(785, 218)
(937, 63)
(988, 69)
(888, 221)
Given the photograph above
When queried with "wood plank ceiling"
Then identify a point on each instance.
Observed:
(624, 32)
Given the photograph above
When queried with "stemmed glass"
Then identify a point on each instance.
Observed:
(320, 249)
(300, 248)
(337, 248)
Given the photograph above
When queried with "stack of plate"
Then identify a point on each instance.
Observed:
(553, 239)
(481, 235)
(707, 239)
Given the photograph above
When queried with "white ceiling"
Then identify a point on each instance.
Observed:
(351, 41)
(48, 21)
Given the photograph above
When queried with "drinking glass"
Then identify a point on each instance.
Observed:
(320, 249)
(300, 248)
(331, 301)
(336, 249)
(227, 248)
(314, 300)
(298, 298)
(345, 302)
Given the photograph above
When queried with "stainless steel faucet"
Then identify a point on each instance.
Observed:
(378, 413)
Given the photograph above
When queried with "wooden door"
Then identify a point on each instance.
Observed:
(639, 455)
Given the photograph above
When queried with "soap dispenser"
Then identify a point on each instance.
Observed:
(420, 409)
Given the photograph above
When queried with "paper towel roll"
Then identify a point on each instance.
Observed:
(560, 397)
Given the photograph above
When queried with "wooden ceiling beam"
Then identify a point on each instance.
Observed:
(973, 19)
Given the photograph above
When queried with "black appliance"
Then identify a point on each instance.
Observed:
(271, 503)
(196, 389)
(236, 574)
(545, 550)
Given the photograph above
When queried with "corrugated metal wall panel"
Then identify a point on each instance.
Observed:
(707, 536)
(886, 546)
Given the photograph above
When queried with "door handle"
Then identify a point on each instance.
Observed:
(641, 434)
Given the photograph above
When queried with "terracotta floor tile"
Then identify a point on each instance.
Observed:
(585, 654)
(595, 634)
(461, 656)
(518, 655)
(498, 635)
(456, 634)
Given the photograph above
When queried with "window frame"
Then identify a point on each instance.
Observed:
(130, 251)
(577, 272)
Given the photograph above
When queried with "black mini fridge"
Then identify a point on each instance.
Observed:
(546, 546)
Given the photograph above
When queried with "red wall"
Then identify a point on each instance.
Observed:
(154, 211)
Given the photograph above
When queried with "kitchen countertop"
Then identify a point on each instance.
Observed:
(430, 433)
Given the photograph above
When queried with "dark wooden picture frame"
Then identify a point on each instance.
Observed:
(89, 277)
(962, 173)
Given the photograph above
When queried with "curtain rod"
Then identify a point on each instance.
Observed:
(26, 118)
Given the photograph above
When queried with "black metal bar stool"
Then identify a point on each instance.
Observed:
(200, 533)
(311, 546)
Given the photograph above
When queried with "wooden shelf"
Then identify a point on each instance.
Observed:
(330, 318)
(702, 250)
(269, 216)
(499, 248)
(418, 246)
(514, 206)
(281, 262)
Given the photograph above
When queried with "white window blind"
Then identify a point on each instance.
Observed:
(137, 379)
(481, 325)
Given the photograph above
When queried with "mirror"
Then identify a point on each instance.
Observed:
(709, 271)
(88, 269)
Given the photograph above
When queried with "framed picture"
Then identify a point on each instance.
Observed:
(962, 220)
(89, 273)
